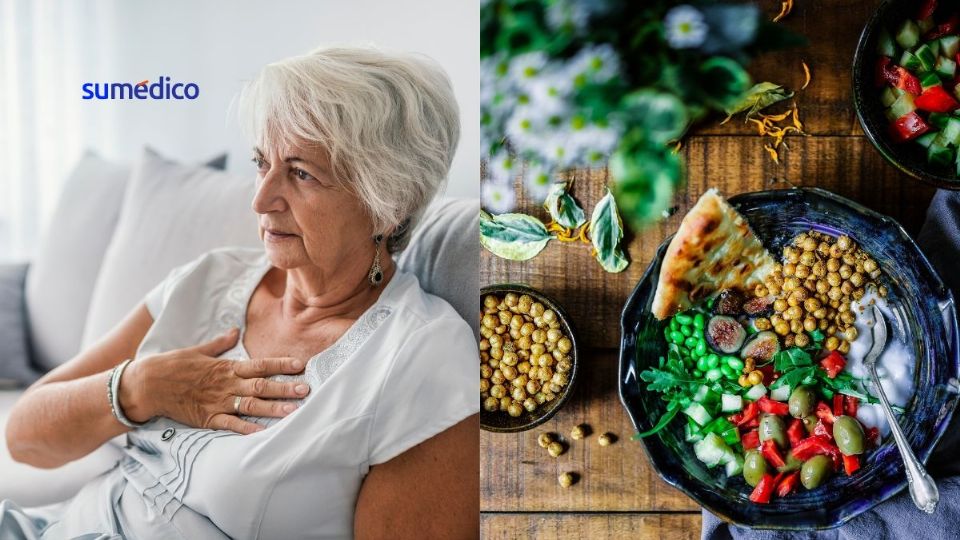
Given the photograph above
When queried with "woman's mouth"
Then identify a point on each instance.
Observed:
(272, 236)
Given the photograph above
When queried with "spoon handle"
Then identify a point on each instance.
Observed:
(923, 489)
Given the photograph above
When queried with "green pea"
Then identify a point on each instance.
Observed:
(712, 357)
(702, 349)
(690, 342)
(729, 372)
(674, 325)
(698, 373)
(684, 319)
(666, 333)
(699, 321)
(686, 330)
(676, 337)
(684, 352)
(702, 364)
(714, 374)
(733, 362)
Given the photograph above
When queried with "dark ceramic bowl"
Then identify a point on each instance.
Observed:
(909, 157)
(923, 304)
(502, 422)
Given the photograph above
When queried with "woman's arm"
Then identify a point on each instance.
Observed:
(64, 415)
(429, 491)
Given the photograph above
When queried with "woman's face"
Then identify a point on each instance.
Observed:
(306, 217)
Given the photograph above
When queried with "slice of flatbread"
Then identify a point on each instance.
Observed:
(714, 249)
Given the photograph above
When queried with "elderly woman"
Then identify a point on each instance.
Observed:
(307, 390)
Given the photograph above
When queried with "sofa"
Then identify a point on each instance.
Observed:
(116, 231)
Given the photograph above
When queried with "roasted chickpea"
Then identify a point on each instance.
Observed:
(844, 243)
(856, 279)
(803, 272)
(808, 244)
(796, 326)
(578, 432)
(536, 349)
(554, 335)
(524, 367)
(605, 439)
(760, 291)
(793, 313)
(791, 255)
(509, 358)
(491, 404)
(836, 252)
(788, 340)
(762, 323)
(539, 336)
(514, 409)
(791, 283)
(755, 377)
(509, 372)
(823, 249)
(832, 343)
(807, 258)
(536, 309)
(819, 269)
(530, 404)
(833, 265)
(780, 305)
(490, 301)
(564, 366)
(835, 294)
(789, 269)
(484, 385)
(846, 288)
(801, 340)
(498, 391)
(844, 347)
(782, 328)
(566, 479)
(523, 303)
(809, 324)
(564, 345)
(822, 286)
(850, 334)
(555, 449)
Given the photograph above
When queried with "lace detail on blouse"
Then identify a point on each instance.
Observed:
(232, 312)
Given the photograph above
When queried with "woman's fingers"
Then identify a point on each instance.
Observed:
(234, 423)
(220, 344)
(265, 367)
(252, 406)
(266, 388)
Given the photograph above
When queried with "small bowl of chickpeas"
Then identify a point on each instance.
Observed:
(528, 358)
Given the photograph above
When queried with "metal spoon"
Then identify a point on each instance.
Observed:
(922, 487)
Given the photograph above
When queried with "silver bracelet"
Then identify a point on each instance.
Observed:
(113, 395)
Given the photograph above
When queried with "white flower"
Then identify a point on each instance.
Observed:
(548, 95)
(523, 128)
(497, 197)
(537, 182)
(594, 64)
(526, 66)
(685, 27)
(502, 167)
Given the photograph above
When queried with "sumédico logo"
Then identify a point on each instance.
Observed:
(162, 89)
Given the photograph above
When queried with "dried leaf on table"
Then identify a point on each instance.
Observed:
(562, 208)
(517, 237)
(606, 231)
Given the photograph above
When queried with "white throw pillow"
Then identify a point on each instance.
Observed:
(171, 215)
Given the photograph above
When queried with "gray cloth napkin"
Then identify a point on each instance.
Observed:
(899, 518)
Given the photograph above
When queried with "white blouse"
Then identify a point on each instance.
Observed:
(402, 373)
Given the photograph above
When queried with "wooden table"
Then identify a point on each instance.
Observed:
(619, 495)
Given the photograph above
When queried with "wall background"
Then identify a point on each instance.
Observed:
(49, 48)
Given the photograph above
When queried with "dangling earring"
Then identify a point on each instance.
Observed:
(376, 273)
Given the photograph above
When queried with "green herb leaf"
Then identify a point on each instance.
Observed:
(662, 116)
(562, 208)
(517, 237)
(672, 409)
(793, 357)
(761, 96)
(796, 377)
(606, 231)
(664, 380)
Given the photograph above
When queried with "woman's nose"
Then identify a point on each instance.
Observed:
(269, 196)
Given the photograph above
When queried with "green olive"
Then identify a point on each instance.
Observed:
(802, 401)
(792, 464)
(771, 427)
(814, 471)
(810, 423)
(848, 433)
(754, 467)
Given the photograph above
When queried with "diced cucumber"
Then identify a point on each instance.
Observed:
(885, 44)
(756, 392)
(734, 466)
(945, 67)
(938, 120)
(908, 35)
(928, 80)
(730, 403)
(927, 56)
(712, 451)
(888, 113)
(691, 432)
(910, 61)
(887, 96)
(934, 46)
(698, 413)
(951, 133)
(903, 105)
(780, 393)
(940, 155)
(926, 139)
(940, 140)
(949, 46)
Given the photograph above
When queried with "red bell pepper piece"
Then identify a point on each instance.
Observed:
(753, 423)
(796, 432)
(850, 406)
(763, 490)
(822, 430)
(768, 373)
(770, 406)
(787, 483)
(833, 363)
(769, 451)
(936, 99)
(947, 27)
(907, 127)
(886, 72)
(814, 445)
(926, 9)
(750, 440)
(907, 81)
(851, 464)
(838, 404)
(750, 412)
(824, 413)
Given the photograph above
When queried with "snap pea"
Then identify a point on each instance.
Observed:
(733, 362)
(687, 331)
(676, 337)
(683, 319)
(701, 349)
(690, 342)
(699, 321)
(729, 372)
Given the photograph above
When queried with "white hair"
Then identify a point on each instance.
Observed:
(388, 121)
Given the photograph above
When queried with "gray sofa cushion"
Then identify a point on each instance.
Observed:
(15, 368)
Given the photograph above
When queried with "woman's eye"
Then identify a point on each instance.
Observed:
(258, 162)
(302, 174)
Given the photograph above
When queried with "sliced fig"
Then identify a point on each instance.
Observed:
(725, 334)
(728, 303)
(762, 346)
(758, 307)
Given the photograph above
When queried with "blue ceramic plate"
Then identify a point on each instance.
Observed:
(916, 292)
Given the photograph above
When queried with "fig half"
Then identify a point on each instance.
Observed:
(725, 334)
(762, 346)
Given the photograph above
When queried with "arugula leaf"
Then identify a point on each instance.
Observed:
(672, 409)
(664, 380)
(793, 357)
(796, 377)
(761, 96)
